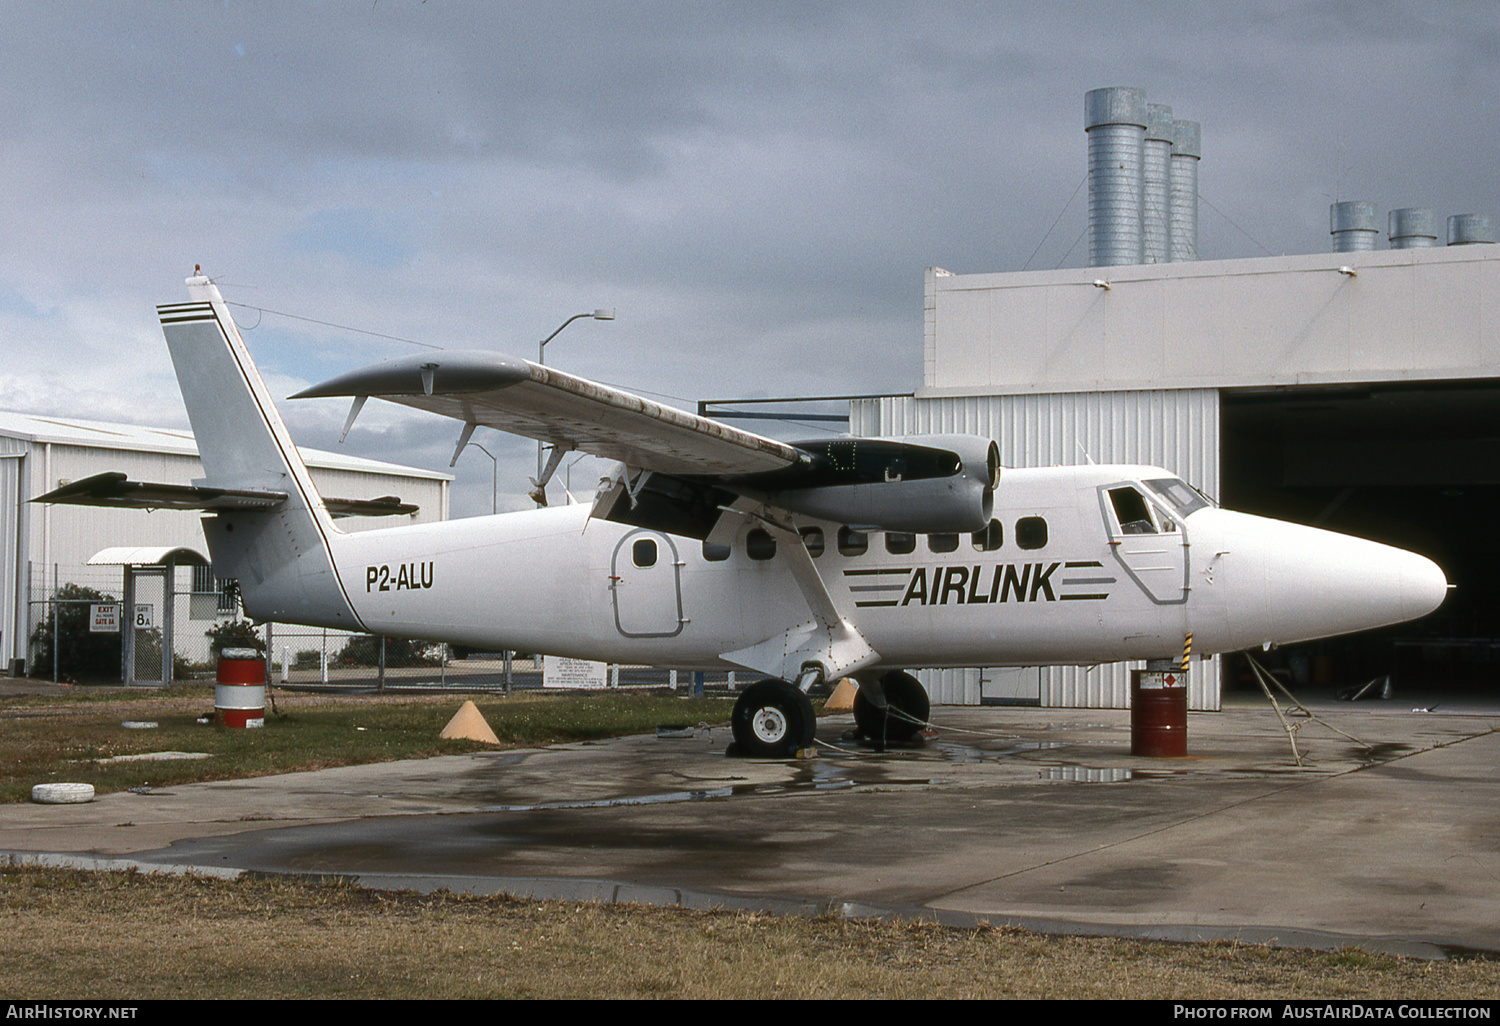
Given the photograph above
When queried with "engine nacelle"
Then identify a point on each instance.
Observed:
(923, 484)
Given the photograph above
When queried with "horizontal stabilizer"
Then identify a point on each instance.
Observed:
(385, 506)
(115, 489)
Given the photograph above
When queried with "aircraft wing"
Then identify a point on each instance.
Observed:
(525, 398)
(682, 472)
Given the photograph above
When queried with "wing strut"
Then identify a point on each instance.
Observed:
(824, 648)
(359, 404)
(463, 440)
(538, 491)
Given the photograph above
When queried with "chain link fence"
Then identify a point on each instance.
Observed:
(313, 657)
(77, 626)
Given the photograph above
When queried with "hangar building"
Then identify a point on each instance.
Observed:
(1357, 390)
(45, 546)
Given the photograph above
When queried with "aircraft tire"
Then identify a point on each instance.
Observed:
(772, 720)
(906, 712)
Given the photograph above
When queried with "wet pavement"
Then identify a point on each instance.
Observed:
(1039, 817)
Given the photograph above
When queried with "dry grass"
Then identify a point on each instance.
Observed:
(131, 937)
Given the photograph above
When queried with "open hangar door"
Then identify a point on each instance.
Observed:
(1411, 465)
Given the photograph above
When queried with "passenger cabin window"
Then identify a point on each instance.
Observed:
(899, 544)
(715, 553)
(1131, 511)
(1031, 532)
(991, 538)
(643, 552)
(852, 542)
(759, 545)
(812, 537)
(942, 542)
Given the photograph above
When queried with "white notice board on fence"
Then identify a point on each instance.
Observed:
(560, 672)
(104, 617)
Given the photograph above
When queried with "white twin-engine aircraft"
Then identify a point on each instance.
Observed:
(713, 548)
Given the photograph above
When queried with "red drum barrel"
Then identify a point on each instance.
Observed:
(1158, 713)
(240, 688)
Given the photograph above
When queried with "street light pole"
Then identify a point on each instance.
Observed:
(541, 358)
(494, 477)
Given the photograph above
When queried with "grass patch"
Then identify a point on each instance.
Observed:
(129, 936)
(50, 738)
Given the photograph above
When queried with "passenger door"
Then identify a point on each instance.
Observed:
(646, 582)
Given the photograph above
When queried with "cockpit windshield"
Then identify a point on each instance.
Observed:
(1181, 496)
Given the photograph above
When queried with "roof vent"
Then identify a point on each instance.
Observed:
(1352, 225)
(1471, 229)
(1413, 228)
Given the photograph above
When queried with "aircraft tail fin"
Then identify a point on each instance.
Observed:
(283, 558)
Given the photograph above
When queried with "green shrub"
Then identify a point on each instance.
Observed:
(82, 654)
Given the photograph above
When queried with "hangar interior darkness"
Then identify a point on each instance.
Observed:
(1416, 465)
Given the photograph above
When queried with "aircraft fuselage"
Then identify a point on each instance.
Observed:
(1065, 577)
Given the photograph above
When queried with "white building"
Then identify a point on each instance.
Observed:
(44, 546)
(1358, 390)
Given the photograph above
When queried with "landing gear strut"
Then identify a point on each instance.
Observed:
(772, 720)
(905, 713)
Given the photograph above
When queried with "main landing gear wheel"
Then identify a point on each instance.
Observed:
(772, 720)
(905, 714)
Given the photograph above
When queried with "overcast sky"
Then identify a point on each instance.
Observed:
(756, 188)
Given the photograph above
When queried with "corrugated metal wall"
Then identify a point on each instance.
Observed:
(1173, 428)
(11, 624)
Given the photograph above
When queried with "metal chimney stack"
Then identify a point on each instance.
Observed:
(1187, 150)
(1156, 178)
(1115, 120)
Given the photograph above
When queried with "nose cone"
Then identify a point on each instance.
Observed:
(1423, 585)
(1307, 583)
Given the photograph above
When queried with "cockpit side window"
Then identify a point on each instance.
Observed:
(1132, 511)
(1181, 496)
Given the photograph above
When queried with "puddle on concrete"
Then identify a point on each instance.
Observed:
(665, 798)
(844, 770)
(1089, 774)
(809, 781)
(961, 753)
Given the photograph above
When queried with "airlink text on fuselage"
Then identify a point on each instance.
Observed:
(979, 584)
